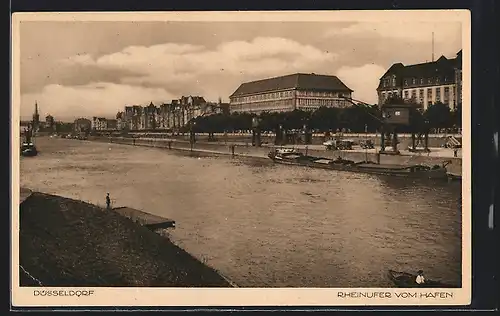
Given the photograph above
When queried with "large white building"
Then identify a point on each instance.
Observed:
(290, 92)
(426, 84)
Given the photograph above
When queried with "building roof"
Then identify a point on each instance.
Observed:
(294, 81)
(197, 100)
(82, 120)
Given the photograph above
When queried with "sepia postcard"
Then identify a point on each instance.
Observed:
(227, 159)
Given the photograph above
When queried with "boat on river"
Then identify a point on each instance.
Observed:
(28, 149)
(408, 280)
(290, 156)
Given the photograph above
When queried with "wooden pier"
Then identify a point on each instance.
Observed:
(153, 222)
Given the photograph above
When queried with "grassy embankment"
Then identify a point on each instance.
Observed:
(64, 242)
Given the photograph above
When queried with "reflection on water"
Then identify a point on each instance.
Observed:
(262, 224)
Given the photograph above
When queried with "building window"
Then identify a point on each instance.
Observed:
(394, 81)
(438, 94)
(421, 93)
(445, 79)
(421, 80)
(406, 82)
(446, 94)
(437, 80)
(429, 80)
(413, 81)
(406, 94)
(429, 94)
(413, 94)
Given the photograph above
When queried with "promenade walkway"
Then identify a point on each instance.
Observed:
(434, 151)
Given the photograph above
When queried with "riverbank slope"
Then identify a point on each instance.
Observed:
(65, 242)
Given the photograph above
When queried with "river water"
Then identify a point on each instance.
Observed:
(265, 225)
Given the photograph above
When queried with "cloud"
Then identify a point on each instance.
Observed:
(94, 99)
(173, 63)
(163, 72)
(78, 59)
(363, 80)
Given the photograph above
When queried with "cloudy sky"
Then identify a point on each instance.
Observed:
(78, 69)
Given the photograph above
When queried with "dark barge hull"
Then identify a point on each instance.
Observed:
(368, 168)
(407, 280)
(29, 152)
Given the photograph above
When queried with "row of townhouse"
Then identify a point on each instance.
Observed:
(102, 124)
(172, 115)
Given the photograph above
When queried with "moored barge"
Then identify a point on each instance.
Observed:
(290, 156)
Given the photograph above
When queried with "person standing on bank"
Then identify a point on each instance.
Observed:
(108, 202)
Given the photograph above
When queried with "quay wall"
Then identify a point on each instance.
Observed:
(435, 140)
(454, 167)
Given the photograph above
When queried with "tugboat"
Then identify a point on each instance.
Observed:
(28, 148)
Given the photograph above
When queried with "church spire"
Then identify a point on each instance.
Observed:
(36, 118)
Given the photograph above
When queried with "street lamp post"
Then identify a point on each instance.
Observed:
(426, 140)
(192, 134)
(366, 142)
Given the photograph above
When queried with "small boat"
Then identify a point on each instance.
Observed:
(28, 150)
(408, 280)
(290, 156)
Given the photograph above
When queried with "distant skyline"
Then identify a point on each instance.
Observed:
(84, 69)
